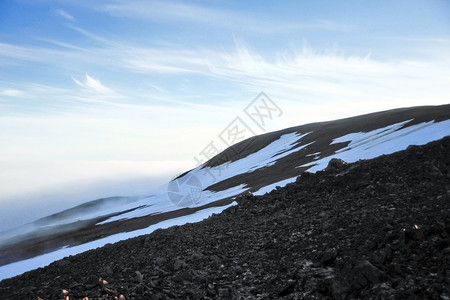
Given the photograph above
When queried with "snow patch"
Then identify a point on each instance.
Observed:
(271, 187)
(162, 204)
(381, 141)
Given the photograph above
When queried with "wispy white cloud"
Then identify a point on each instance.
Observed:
(306, 74)
(62, 13)
(11, 93)
(156, 87)
(15, 52)
(171, 61)
(93, 36)
(173, 11)
(94, 85)
(163, 11)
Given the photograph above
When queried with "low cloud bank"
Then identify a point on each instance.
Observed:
(29, 191)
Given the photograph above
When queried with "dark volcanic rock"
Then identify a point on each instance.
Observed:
(375, 229)
(335, 164)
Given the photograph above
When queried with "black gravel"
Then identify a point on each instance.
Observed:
(375, 229)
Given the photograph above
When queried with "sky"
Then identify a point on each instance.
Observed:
(117, 91)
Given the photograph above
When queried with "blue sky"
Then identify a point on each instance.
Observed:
(156, 81)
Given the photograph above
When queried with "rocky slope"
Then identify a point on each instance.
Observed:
(256, 165)
(374, 229)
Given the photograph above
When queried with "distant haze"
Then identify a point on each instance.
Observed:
(31, 190)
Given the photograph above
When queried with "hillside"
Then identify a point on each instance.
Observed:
(372, 229)
(256, 165)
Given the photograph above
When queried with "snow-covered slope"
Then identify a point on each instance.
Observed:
(256, 165)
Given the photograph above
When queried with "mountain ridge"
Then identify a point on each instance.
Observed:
(326, 131)
(372, 229)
